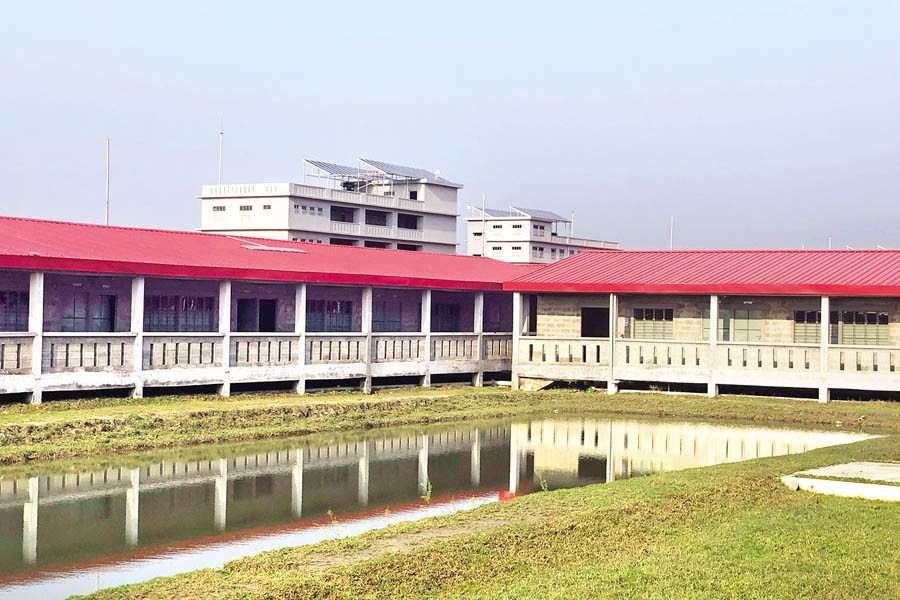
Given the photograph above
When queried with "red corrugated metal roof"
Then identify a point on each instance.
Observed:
(59, 246)
(752, 272)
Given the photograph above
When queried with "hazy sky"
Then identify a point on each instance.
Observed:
(756, 123)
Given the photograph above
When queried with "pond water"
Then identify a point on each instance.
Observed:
(76, 532)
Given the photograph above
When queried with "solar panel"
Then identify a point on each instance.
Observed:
(340, 170)
(406, 172)
(541, 214)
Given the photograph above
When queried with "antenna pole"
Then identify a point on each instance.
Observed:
(221, 141)
(829, 242)
(106, 220)
(672, 233)
(572, 225)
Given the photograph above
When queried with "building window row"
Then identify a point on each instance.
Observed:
(219, 208)
(653, 323)
(308, 210)
(246, 207)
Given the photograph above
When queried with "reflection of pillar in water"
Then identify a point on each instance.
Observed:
(610, 469)
(514, 459)
(221, 494)
(132, 504)
(297, 484)
(423, 465)
(362, 492)
(30, 523)
(476, 458)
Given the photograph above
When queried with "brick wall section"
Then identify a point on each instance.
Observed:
(59, 290)
(181, 287)
(559, 315)
(346, 294)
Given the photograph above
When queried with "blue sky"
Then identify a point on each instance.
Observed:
(755, 124)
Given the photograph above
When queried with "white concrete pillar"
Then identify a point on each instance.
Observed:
(137, 329)
(824, 339)
(478, 378)
(225, 332)
(132, 508)
(30, 522)
(423, 465)
(610, 465)
(475, 468)
(297, 484)
(518, 325)
(513, 460)
(712, 389)
(426, 329)
(362, 493)
(221, 496)
(367, 295)
(36, 327)
(300, 330)
(612, 384)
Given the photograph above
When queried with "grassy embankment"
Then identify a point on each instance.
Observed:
(65, 429)
(725, 531)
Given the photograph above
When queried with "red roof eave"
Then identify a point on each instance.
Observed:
(732, 289)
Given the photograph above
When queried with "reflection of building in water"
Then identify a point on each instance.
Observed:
(561, 453)
(94, 514)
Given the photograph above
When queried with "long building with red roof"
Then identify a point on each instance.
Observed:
(89, 307)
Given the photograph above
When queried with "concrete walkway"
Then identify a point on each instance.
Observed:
(881, 476)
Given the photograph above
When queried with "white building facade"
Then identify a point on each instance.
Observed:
(374, 205)
(524, 235)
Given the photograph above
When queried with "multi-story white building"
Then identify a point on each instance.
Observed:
(524, 235)
(376, 205)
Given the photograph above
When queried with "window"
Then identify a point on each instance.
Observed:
(413, 195)
(267, 206)
(341, 214)
(538, 229)
(538, 251)
(296, 208)
(13, 311)
(476, 233)
(517, 226)
(497, 226)
(179, 313)
(405, 221)
(329, 315)
(806, 326)
(496, 247)
(869, 328)
(410, 247)
(376, 217)
(246, 207)
(341, 242)
(389, 193)
(653, 324)
(219, 208)
(387, 316)
(724, 324)
(516, 248)
(746, 325)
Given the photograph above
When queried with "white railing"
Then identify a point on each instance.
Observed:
(256, 350)
(583, 351)
(15, 353)
(87, 352)
(863, 359)
(182, 350)
(497, 346)
(767, 357)
(652, 353)
(330, 348)
(450, 346)
(410, 234)
(399, 347)
(341, 227)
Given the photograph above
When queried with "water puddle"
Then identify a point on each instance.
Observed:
(76, 532)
